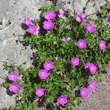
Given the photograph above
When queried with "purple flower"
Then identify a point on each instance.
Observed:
(68, 39)
(63, 39)
(81, 43)
(102, 44)
(92, 86)
(61, 11)
(106, 17)
(69, 27)
(56, 58)
(96, 30)
(89, 27)
(83, 92)
(76, 14)
(12, 76)
(62, 100)
(48, 65)
(107, 31)
(87, 65)
(75, 61)
(83, 73)
(49, 15)
(27, 21)
(43, 73)
(39, 91)
(77, 18)
(47, 24)
(82, 15)
(108, 64)
(13, 87)
(34, 20)
(31, 29)
(19, 39)
(92, 68)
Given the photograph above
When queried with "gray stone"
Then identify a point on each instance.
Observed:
(6, 100)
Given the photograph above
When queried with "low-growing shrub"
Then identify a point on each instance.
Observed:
(69, 51)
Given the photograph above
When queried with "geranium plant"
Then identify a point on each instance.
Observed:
(69, 51)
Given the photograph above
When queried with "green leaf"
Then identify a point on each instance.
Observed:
(5, 66)
(11, 70)
(11, 108)
(50, 99)
(23, 97)
(5, 84)
(53, 7)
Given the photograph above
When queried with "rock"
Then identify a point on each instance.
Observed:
(5, 99)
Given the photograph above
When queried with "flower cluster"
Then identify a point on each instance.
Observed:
(78, 19)
(48, 15)
(31, 29)
(13, 86)
(91, 87)
(64, 39)
(91, 67)
(44, 73)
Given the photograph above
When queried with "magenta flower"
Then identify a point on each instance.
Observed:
(49, 15)
(92, 68)
(56, 58)
(13, 87)
(102, 44)
(81, 43)
(43, 73)
(92, 86)
(69, 27)
(82, 15)
(27, 21)
(31, 29)
(62, 100)
(48, 65)
(77, 18)
(39, 91)
(83, 92)
(68, 39)
(47, 24)
(61, 11)
(63, 39)
(12, 76)
(89, 27)
(75, 61)
(87, 65)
